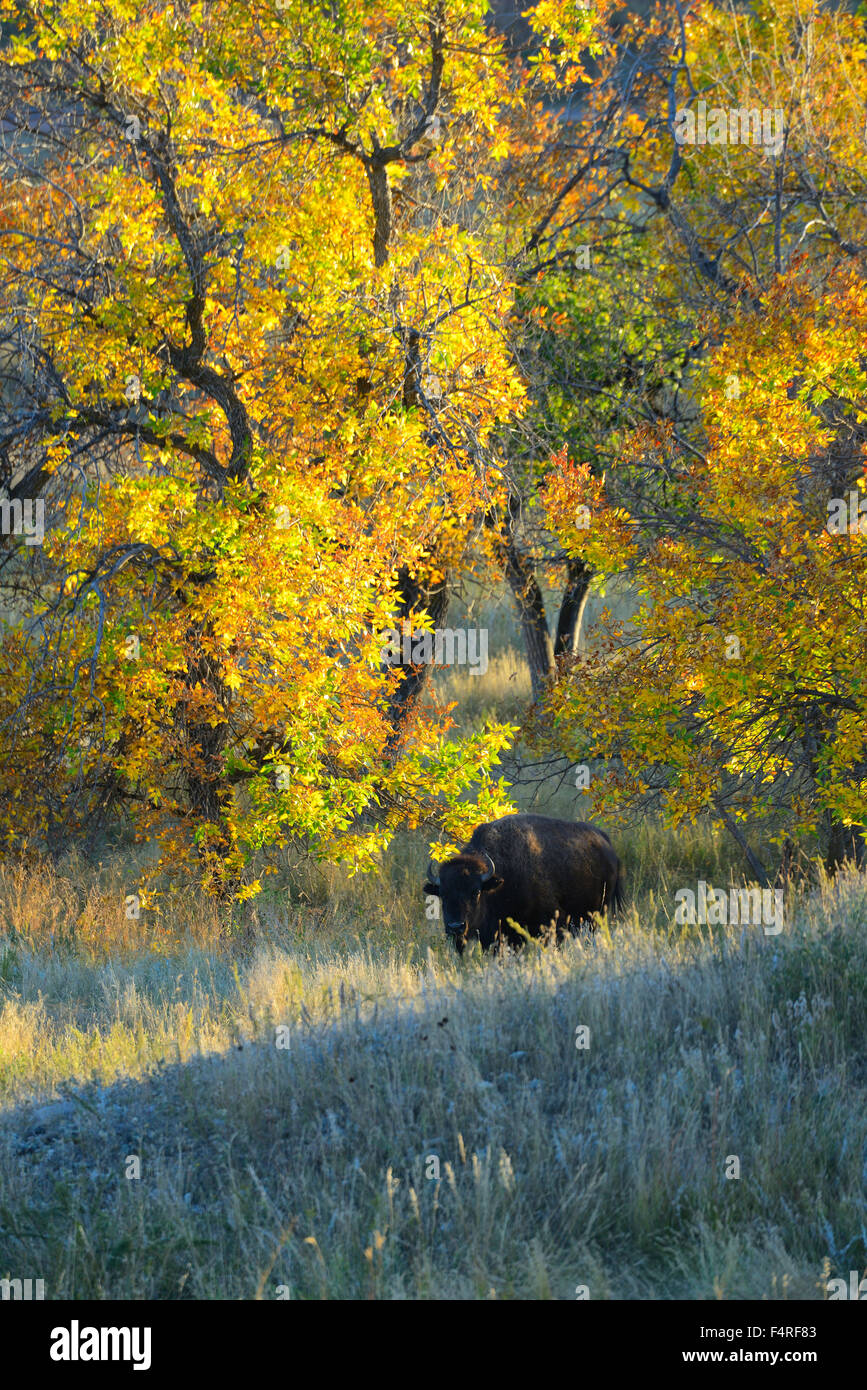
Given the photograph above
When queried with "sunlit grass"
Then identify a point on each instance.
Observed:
(325, 1102)
(558, 1166)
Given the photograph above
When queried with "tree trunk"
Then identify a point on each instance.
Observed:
(845, 842)
(380, 193)
(760, 872)
(521, 578)
(208, 789)
(415, 597)
(571, 616)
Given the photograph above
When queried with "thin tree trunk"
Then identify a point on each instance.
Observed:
(740, 839)
(521, 578)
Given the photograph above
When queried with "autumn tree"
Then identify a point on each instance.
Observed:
(737, 689)
(262, 371)
(713, 144)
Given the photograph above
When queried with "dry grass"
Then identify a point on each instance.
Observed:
(304, 1167)
(430, 1130)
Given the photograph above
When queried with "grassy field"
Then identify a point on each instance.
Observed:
(331, 1105)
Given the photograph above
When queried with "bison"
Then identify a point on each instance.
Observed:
(532, 869)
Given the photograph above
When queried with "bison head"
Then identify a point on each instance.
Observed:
(462, 885)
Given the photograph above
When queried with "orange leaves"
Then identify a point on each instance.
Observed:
(577, 510)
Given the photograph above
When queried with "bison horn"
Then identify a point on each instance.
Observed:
(489, 871)
(433, 871)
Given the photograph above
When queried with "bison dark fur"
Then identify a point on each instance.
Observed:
(532, 869)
